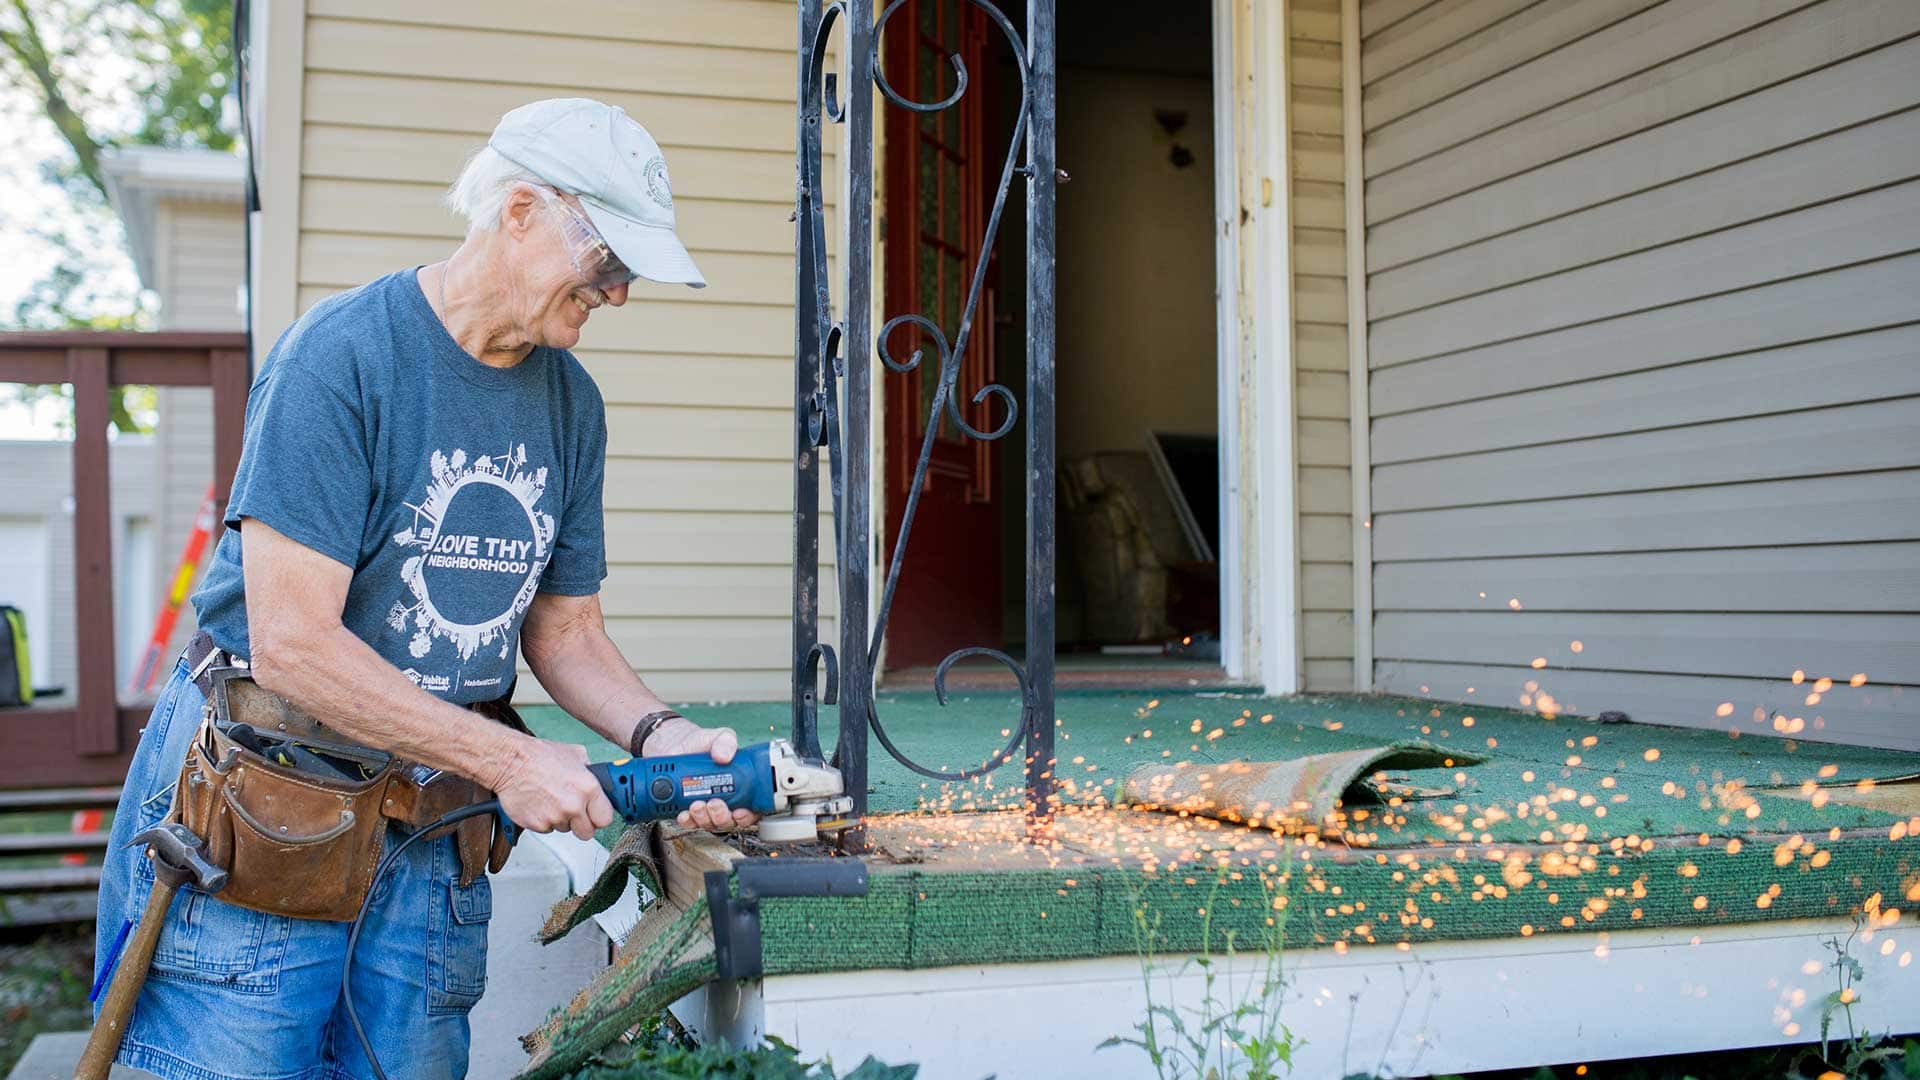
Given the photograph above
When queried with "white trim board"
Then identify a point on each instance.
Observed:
(1359, 405)
(1455, 1006)
(1269, 284)
(1226, 288)
(1259, 624)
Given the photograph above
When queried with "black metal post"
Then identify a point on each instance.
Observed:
(807, 377)
(1041, 179)
(855, 466)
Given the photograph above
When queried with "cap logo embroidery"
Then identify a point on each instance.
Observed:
(658, 188)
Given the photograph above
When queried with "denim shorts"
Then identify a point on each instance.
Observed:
(235, 994)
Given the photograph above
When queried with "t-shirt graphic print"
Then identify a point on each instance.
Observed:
(455, 491)
(483, 543)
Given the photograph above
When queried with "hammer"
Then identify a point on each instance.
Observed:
(178, 857)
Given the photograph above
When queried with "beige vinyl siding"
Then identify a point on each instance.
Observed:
(698, 384)
(1644, 340)
(1320, 346)
(200, 248)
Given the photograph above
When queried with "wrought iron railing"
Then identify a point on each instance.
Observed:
(833, 394)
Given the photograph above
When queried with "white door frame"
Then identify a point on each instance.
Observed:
(1259, 602)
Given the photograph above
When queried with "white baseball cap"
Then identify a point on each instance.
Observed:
(600, 154)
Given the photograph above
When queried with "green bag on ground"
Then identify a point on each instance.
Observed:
(16, 674)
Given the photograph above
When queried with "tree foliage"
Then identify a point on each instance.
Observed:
(108, 73)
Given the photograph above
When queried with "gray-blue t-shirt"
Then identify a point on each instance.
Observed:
(454, 490)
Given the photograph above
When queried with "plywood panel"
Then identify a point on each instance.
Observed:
(1819, 510)
(1845, 163)
(1859, 367)
(1838, 302)
(1813, 578)
(1862, 88)
(1771, 52)
(1874, 225)
(1886, 646)
(1873, 715)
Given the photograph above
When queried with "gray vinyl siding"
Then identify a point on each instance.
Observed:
(1644, 348)
(1322, 442)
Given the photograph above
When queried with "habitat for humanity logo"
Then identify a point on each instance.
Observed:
(482, 547)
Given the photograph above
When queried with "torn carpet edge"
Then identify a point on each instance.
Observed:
(631, 856)
(668, 955)
(1297, 795)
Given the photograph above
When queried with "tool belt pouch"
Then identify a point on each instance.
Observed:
(292, 843)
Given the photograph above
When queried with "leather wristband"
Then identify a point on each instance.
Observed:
(648, 724)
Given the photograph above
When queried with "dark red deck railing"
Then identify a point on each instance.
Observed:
(91, 740)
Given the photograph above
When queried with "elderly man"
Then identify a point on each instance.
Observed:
(418, 501)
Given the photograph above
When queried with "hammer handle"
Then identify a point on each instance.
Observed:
(103, 1045)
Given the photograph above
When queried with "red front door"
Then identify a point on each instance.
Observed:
(937, 198)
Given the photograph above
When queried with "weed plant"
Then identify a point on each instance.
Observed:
(1233, 1031)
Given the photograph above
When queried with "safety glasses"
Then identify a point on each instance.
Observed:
(592, 259)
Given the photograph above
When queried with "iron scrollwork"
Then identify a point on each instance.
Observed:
(832, 398)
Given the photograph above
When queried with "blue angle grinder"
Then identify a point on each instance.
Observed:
(797, 799)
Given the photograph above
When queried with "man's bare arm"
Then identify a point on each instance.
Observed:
(565, 642)
(302, 651)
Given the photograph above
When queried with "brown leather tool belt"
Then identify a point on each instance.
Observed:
(297, 814)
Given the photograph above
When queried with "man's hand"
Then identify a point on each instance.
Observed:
(547, 788)
(683, 736)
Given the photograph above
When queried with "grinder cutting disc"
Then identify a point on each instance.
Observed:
(788, 828)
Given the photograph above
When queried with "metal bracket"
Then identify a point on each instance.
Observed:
(736, 915)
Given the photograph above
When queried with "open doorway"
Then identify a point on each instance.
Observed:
(1137, 421)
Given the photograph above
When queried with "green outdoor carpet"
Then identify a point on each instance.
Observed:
(1568, 824)
(1562, 825)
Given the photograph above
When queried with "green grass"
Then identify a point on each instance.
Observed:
(44, 978)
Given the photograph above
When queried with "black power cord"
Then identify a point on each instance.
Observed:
(353, 936)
